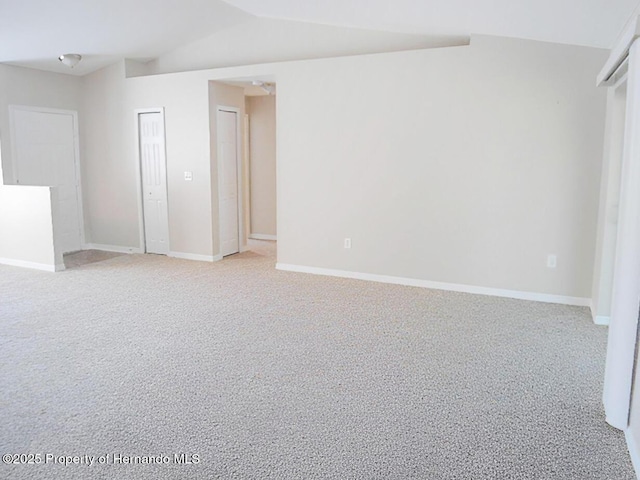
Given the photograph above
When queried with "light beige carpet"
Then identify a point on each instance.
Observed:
(267, 374)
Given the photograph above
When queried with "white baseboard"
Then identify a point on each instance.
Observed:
(599, 319)
(111, 248)
(260, 236)
(632, 446)
(454, 287)
(195, 256)
(37, 266)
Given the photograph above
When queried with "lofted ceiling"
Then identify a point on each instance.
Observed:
(33, 33)
(592, 23)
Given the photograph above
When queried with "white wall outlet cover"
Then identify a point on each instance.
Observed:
(552, 261)
(188, 176)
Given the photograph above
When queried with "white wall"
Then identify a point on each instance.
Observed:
(465, 165)
(187, 141)
(262, 158)
(104, 126)
(113, 211)
(26, 228)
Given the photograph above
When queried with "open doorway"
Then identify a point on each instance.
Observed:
(261, 120)
(244, 110)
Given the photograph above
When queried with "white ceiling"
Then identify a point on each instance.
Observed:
(34, 33)
(594, 23)
(268, 40)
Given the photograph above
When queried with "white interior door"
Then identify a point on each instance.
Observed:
(228, 182)
(153, 167)
(44, 150)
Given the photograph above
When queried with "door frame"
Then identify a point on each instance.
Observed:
(620, 366)
(246, 160)
(76, 154)
(610, 193)
(142, 237)
(241, 228)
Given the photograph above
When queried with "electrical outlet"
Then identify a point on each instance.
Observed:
(188, 176)
(347, 243)
(552, 261)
